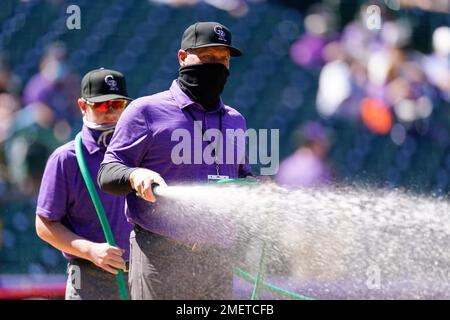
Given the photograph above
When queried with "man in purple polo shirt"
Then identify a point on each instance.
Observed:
(65, 215)
(171, 259)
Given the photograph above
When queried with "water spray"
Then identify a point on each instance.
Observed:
(333, 240)
(258, 281)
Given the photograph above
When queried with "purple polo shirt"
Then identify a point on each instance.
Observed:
(143, 139)
(64, 197)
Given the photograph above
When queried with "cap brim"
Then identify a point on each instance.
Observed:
(234, 52)
(108, 97)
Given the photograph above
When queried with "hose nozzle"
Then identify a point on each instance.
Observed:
(156, 189)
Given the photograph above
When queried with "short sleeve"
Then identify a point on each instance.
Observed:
(131, 138)
(53, 194)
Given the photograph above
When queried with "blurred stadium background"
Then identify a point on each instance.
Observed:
(353, 103)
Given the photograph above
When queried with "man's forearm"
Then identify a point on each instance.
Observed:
(115, 178)
(56, 234)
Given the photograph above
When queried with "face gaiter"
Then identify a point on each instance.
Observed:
(100, 132)
(204, 83)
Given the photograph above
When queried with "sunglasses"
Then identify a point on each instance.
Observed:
(104, 106)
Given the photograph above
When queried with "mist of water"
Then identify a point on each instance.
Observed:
(333, 242)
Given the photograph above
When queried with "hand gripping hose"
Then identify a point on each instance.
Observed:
(99, 209)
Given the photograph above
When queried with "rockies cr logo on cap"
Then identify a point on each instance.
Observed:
(219, 31)
(109, 79)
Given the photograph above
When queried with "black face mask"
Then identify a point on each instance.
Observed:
(204, 83)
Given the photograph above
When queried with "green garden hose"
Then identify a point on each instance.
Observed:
(100, 210)
(259, 283)
(282, 292)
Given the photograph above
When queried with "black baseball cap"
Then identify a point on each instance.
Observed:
(103, 84)
(208, 34)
